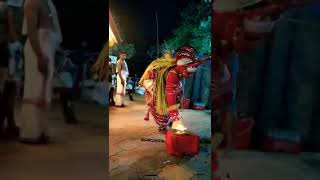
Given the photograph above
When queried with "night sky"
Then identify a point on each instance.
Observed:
(137, 21)
(83, 20)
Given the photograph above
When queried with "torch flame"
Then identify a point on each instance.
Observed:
(177, 125)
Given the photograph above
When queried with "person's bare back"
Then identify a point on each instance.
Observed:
(41, 13)
(44, 15)
(38, 16)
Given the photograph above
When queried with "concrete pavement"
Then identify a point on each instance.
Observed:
(130, 158)
(246, 165)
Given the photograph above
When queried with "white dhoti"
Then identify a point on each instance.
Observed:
(121, 89)
(37, 88)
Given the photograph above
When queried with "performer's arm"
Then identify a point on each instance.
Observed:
(172, 81)
(32, 9)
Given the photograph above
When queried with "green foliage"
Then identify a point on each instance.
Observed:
(194, 30)
(201, 40)
(152, 52)
(126, 47)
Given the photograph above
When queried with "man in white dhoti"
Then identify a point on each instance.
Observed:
(122, 75)
(41, 25)
(63, 85)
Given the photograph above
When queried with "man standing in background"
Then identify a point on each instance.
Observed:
(122, 75)
(63, 84)
(111, 74)
(41, 25)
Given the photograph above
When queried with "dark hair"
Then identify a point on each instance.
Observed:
(122, 52)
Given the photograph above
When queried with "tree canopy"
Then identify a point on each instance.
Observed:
(126, 47)
(129, 48)
(194, 30)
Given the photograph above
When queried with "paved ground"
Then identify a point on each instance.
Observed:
(267, 166)
(78, 151)
(130, 158)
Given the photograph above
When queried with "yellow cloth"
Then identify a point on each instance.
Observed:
(161, 67)
(101, 67)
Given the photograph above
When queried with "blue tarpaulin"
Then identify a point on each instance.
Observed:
(280, 80)
(198, 87)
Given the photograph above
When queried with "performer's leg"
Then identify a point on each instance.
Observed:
(162, 123)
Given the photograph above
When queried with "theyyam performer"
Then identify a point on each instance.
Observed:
(164, 90)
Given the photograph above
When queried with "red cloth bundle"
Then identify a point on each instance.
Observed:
(182, 144)
(186, 104)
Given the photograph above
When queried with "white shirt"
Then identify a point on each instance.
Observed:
(126, 69)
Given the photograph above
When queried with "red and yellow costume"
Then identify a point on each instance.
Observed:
(162, 81)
